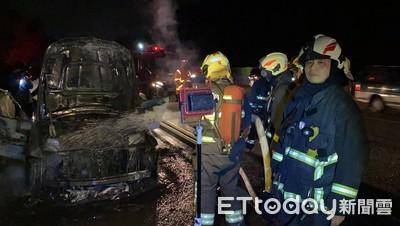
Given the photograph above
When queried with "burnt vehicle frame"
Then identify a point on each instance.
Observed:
(85, 142)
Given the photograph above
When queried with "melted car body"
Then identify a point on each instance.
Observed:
(90, 141)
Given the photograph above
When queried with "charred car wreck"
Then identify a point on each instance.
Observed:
(90, 139)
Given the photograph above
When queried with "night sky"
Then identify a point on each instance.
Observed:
(369, 33)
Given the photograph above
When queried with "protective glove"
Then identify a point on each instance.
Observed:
(237, 150)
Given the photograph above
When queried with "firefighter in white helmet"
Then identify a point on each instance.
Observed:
(220, 165)
(322, 151)
(346, 67)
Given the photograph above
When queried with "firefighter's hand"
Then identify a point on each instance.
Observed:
(245, 133)
(337, 220)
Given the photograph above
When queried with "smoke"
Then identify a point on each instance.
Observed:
(165, 30)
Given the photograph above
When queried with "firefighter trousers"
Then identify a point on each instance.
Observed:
(220, 171)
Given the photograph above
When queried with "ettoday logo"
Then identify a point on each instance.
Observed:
(273, 206)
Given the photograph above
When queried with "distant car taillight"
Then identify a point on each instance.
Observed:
(357, 87)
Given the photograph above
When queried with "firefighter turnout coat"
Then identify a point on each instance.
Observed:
(180, 77)
(322, 150)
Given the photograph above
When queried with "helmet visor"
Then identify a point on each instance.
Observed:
(311, 55)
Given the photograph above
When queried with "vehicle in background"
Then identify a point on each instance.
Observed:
(379, 86)
(89, 141)
(155, 69)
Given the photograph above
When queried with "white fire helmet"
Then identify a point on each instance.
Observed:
(274, 63)
(322, 47)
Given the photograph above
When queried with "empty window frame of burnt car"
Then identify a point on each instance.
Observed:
(90, 133)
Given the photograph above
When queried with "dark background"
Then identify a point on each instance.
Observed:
(369, 33)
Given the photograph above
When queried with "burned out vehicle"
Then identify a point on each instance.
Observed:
(91, 139)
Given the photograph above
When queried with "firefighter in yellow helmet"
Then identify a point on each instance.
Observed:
(296, 69)
(216, 67)
(220, 164)
(274, 67)
(182, 77)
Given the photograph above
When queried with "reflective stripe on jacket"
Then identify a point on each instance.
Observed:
(181, 75)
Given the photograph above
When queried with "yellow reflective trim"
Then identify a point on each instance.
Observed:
(250, 141)
(227, 97)
(311, 161)
(302, 157)
(207, 222)
(344, 190)
(235, 217)
(288, 195)
(207, 139)
(318, 194)
(318, 172)
(280, 185)
(207, 215)
(277, 156)
(207, 218)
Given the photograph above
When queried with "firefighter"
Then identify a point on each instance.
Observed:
(322, 151)
(20, 84)
(220, 164)
(296, 69)
(260, 91)
(349, 87)
(181, 77)
(275, 67)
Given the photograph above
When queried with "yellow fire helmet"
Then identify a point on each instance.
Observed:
(275, 63)
(346, 68)
(216, 66)
(296, 63)
(296, 67)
